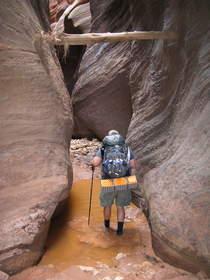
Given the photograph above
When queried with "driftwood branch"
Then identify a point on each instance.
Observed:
(93, 38)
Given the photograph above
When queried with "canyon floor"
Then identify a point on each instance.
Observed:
(141, 264)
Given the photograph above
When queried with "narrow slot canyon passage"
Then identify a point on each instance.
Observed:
(72, 242)
(155, 92)
(78, 251)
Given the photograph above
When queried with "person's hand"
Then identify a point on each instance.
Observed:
(91, 166)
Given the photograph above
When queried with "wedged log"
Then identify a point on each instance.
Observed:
(58, 39)
(36, 125)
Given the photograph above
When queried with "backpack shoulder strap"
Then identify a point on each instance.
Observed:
(102, 151)
(129, 154)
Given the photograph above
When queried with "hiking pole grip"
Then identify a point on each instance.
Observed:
(91, 190)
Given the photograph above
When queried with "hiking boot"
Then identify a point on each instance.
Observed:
(107, 223)
(119, 228)
(119, 232)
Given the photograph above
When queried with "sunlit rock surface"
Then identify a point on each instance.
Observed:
(168, 82)
(75, 13)
(81, 18)
(36, 122)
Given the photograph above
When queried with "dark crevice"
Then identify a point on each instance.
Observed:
(41, 9)
(70, 64)
(70, 61)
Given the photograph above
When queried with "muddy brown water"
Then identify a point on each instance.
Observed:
(72, 242)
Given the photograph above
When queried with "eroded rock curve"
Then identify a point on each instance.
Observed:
(36, 124)
(168, 83)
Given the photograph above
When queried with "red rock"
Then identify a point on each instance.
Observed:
(57, 7)
(36, 128)
(169, 131)
(166, 83)
(101, 96)
(3, 276)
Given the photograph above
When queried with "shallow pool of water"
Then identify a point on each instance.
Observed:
(72, 242)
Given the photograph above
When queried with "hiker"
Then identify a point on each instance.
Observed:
(117, 161)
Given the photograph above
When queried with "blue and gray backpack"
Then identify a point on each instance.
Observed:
(115, 157)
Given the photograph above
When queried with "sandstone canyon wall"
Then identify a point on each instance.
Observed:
(70, 17)
(169, 131)
(36, 124)
(157, 90)
(101, 96)
(164, 85)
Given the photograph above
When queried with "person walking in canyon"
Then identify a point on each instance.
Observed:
(117, 161)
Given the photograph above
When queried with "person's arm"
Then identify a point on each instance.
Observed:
(96, 161)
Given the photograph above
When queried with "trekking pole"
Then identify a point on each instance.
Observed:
(91, 190)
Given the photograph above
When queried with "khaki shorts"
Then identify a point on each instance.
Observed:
(121, 198)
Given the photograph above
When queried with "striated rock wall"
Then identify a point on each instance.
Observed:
(36, 123)
(73, 17)
(169, 130)
(57, 7)
(167, 84)
(157, 88)
(101, 96)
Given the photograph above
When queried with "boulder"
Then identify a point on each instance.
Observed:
(3, 276)
(36, 125)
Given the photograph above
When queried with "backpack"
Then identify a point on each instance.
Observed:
(116, 156)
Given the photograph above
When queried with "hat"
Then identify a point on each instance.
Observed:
(113, 132)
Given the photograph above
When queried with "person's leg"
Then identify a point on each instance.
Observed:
(123, 198)
(107, 199)
(120, 214)
(107, 215)
(120, 219)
